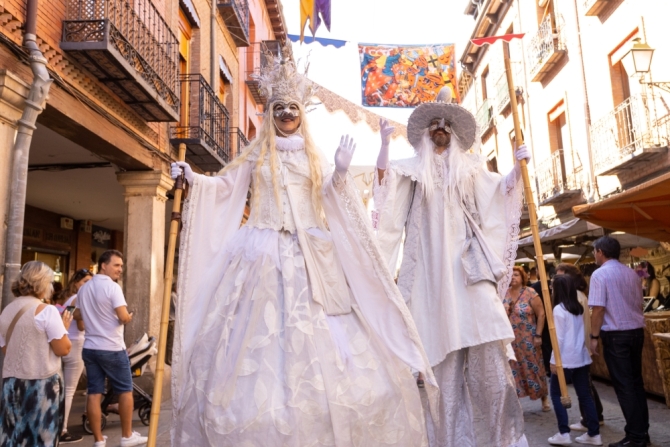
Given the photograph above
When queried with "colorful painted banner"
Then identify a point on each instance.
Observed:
(316, 11)
(404, 75)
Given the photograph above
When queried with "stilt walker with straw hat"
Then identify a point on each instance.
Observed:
(461, 224)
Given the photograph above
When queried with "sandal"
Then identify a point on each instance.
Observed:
(420, 383)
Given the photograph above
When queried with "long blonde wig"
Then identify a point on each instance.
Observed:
(265, 145)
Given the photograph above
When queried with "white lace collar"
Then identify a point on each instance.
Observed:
(291, 143)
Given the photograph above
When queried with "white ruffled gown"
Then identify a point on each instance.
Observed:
(267, 367)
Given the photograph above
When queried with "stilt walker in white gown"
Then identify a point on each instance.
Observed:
(289, 330)
(461, 224)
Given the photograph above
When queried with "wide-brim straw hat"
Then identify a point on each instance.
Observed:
(462, 122)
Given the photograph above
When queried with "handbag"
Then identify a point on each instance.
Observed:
(479, 261)
(324, 269)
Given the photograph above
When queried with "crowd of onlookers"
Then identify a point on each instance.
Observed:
(49, 339)
(612, 314)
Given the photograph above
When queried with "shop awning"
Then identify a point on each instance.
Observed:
(570, 228)
(643, 210)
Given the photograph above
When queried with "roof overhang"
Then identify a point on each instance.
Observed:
(643, 210)
(276, 13)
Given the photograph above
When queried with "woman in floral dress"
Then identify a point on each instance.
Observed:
(525, 311)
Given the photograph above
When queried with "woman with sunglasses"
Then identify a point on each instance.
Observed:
(73, 365)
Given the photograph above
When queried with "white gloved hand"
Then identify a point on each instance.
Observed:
(522, 152)
(385, 130)
(175, 171)
(344, 154)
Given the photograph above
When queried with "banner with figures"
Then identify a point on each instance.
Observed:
(406, 75)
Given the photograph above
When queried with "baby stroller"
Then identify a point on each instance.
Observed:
(140, 352)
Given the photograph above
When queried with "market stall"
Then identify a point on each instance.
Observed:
(644, 211)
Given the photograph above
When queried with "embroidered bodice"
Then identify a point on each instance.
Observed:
(294, 175)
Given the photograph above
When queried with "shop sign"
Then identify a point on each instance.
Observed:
(32, 233)
(101, 237)
(58, 238)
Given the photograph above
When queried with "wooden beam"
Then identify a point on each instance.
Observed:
(639, 210)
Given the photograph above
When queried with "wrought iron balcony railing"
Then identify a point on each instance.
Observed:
(127, 45)
(204, 125)
(235, 14)
(547, 47)
(628, 135)
(485, 116)
(237, 140)
(557, 178)
(256, 59)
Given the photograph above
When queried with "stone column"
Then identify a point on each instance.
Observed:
(144, 248)
(13, 92)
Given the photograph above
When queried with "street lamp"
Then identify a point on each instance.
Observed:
(637, 61)
(638, 58)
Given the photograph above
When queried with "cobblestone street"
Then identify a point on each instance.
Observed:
(539, 425)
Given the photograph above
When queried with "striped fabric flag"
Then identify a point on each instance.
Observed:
(490, 40)
(315, 11)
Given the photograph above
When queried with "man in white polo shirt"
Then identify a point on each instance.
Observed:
(104, 311)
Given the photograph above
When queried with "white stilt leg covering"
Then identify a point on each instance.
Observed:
(479, 406)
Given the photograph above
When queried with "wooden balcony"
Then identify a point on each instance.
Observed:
(204, 126)
(235, 14)
(546, 48)
(128, 46)
(630, 136)
(557, 178)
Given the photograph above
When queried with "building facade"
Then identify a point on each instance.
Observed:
(133, 79)
(595, 125)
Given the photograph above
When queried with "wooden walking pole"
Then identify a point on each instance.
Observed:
(539, 259)
(165, 311)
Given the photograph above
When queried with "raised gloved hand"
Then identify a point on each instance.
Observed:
(522, 152)
(344, 154)
(385, 130)
(175, 171)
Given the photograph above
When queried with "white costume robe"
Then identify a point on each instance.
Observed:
(460, 325)
(256, 360)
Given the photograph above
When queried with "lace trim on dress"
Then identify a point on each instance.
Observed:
(513, 209)
(354, 209)
(188, 213)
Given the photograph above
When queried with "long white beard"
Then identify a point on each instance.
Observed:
(458, 178)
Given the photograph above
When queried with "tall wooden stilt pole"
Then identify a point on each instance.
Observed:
(165, 311)
(528, 193)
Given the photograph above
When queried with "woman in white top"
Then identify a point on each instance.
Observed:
(33, 337)
(569, 322)
(582, 287)
(73, 365)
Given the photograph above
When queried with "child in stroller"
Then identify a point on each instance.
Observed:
(140, 352)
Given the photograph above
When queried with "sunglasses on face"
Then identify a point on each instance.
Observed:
(439, 124)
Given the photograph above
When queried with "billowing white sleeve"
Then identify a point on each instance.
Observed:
(392, 201)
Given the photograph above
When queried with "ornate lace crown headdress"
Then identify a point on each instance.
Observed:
(280, 79)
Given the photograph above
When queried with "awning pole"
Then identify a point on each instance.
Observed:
(528, 193)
